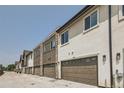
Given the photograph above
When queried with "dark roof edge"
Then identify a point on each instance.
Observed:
(29, 53)
(49, 36)
(75, 16)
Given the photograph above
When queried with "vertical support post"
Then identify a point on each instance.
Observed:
(110, 45)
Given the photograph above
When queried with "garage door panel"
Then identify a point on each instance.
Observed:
(79, 66)
(78, 70)
(75, 69)
(81, 76)
(49, 71)
(30, 70)
(82, 80)
(37, 70)
(81, 70)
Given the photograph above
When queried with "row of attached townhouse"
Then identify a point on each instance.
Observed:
(50, 57)
(29, 59)
(1, 70)
(89, 48)
(21, 65)
(38, 65)
(18, 66)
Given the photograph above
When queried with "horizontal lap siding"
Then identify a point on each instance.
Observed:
(49, 57)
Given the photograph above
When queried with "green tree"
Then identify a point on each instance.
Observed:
(0, 66)
(11, 67)
(4, 68)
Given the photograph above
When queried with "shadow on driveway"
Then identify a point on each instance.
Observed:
(1, 72)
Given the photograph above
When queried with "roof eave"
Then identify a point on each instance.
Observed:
(87, 7)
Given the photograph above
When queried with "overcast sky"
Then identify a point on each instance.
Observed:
(24, 27)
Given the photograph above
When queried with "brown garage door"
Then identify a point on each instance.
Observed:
(26, 70)
(37, 70)
(49, 70)
(81, 70)
(30, 70)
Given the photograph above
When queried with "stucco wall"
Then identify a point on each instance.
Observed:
(118, 43)
(20, 65)
(30, 60)
(94, 42)
(17, 66)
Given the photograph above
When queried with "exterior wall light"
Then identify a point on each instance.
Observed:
(104, 59)
(118, 56)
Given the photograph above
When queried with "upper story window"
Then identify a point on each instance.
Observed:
(121, 13)
(123, 10)
(31, 56)
(64, 38)
(53, 44)
(91, 20)
(48, 46)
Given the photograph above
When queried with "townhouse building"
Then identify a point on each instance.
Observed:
(24, 61)
(38, 63)
(21, 60)
(1, 70)
(16, 66)
(0, 66)
(29, 60)
(91, 46)
(50, 57)
(117, 29)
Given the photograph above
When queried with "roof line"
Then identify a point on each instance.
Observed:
(75, 17)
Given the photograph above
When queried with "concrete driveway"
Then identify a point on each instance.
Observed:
(14, 80)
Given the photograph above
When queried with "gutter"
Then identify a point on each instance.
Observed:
(110, 45)
(81, 12)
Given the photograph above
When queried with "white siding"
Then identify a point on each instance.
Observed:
(30, 60)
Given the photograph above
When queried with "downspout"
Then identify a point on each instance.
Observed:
(110, 45)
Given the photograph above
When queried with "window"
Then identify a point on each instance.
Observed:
(44, 48)
(64, 38)
(31, 56)
(121, 13)
(91, 20)
(47, 47)
(94, 19)
(123, 10)
(87, 23)
(53, 44)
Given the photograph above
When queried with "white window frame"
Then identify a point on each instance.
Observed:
(44, 48)
(89, 14)
(52, 43)
(61, 38)
(120, 14)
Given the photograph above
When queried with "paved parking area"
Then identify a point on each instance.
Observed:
(14, 80)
